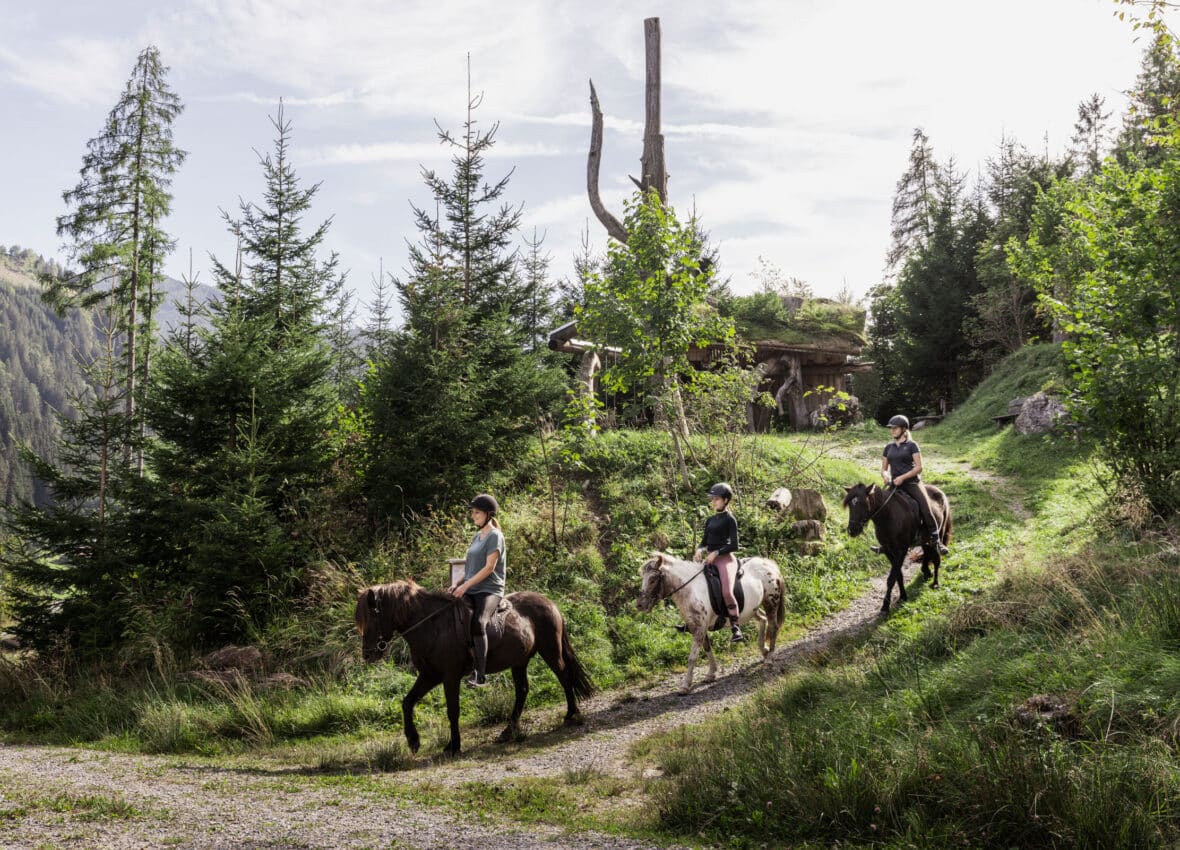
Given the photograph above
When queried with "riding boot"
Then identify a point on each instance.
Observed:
(478, 675)
(736, 635)
(936, 542)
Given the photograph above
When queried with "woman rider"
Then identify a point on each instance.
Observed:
(483, 579)
(718, 544)
(902, 463)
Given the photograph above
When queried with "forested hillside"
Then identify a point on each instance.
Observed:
(40, 375)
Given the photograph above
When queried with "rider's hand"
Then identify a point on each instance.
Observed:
(457, 591)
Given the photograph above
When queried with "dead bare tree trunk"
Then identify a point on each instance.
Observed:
(652, 168)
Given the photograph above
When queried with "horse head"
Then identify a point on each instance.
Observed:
(859, 500)
(651, 590)
(375, 623)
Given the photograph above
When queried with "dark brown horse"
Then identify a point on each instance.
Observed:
(898, 527)
(440, 652)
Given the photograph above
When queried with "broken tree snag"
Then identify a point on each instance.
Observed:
(655, 172)
(613, 226)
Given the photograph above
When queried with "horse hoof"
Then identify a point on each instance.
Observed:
(575, 719)
(413, 743)
(508, 736)
(712, 677)
(936, 585)
(450, 751)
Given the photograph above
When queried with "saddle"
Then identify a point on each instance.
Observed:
(463, 618)
(717, 600)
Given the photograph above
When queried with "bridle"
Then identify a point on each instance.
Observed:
(679, 587)
(879, 508)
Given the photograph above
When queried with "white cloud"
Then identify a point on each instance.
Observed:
(367, 154)
(74, 70)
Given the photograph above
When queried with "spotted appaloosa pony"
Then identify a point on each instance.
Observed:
(666, 577)
(896, 525)
(438, 648)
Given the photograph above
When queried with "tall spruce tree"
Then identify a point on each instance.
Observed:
(935, 299)
(242, 416)
(1155, 103)
(114, 224)
(1090, 132)
(913, 201)
(459, 391)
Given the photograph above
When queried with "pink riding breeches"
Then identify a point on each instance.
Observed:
(727, 568)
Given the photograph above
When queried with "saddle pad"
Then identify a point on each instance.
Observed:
(717, 600)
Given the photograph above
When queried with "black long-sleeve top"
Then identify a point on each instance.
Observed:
(721, 534)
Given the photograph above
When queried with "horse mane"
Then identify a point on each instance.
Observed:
(396, 596)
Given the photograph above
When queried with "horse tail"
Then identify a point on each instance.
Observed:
(575, 673)
(947, 524)
(780, 610)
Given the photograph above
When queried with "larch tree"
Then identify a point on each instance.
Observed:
(114, 225)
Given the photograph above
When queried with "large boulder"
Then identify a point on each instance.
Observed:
(1040, 413)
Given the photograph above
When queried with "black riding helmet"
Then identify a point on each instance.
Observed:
(721, 489)
(485, 502)
(899, 421)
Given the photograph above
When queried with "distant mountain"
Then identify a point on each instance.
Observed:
(39, 371)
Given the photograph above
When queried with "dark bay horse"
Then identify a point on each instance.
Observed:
(439, 649)
(898, 527)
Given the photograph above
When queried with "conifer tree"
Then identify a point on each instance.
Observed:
(1155, 103)
(914, 200)
(1089, 140)
(458, 392)
(114, 223)
(242, 416)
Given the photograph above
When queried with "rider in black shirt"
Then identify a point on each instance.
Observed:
(901, 464)
(718, 544)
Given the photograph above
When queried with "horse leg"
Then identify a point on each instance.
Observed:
(520, 680)
(926, 561)
(451, 689)
(421, 687)
(760, 616)
(697, 640)
(711, 676)
(937, 559)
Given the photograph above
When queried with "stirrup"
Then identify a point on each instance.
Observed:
(736, 635)
(474, 681)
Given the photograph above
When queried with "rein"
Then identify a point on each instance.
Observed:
(892, 490)
(683, 584)
(383, 645)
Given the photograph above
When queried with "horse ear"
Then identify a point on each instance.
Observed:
(659, 559)
(872, 489)
(370, 598)
(848, 489)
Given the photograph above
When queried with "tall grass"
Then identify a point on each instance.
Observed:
(916, 737)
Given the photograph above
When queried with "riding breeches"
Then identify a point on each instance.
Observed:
(727, 568)
(483, 607)
(917, 492)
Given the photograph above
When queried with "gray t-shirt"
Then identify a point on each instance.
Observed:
(477, 558)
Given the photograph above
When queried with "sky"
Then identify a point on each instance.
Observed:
(787, 123)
